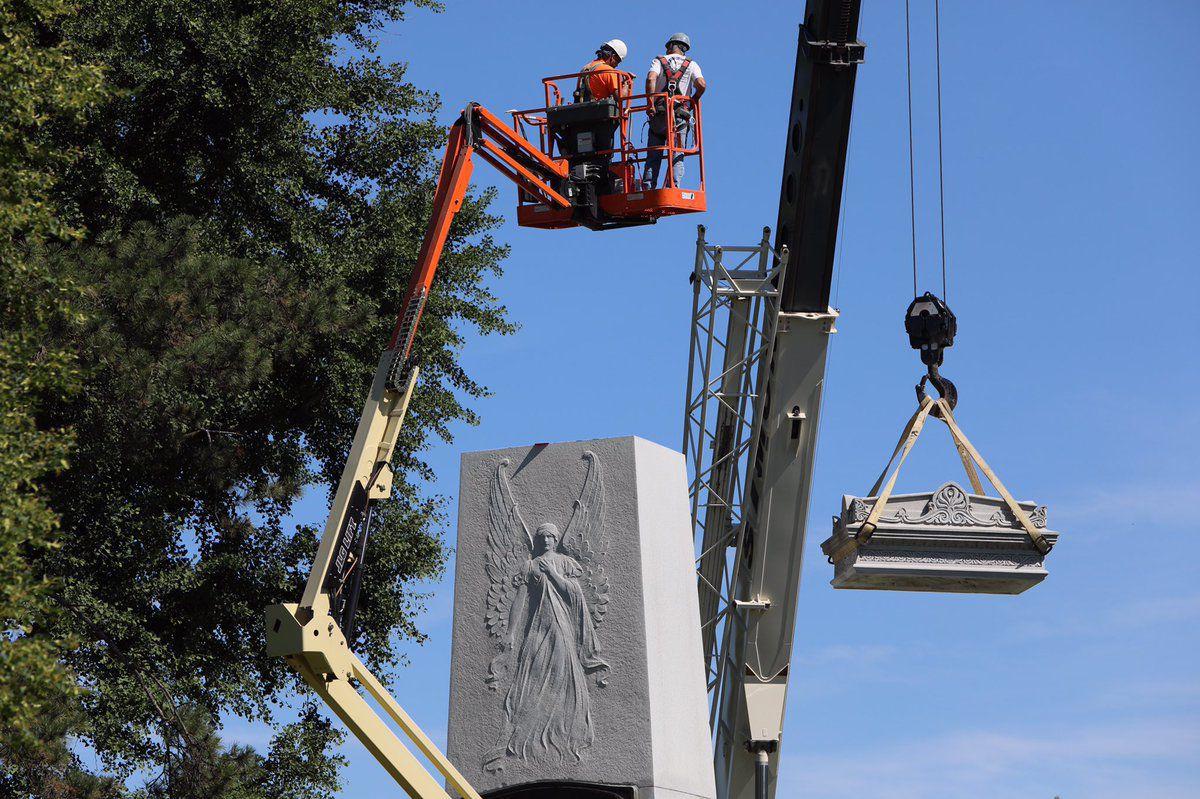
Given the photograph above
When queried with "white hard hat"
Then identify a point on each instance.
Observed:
(618, 47)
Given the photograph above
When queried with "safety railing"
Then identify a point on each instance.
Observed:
(672, 147)
(683, 121)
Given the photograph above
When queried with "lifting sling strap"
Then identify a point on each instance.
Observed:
(970, 456)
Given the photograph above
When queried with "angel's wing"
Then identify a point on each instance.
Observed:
(509, 549)
(584, 539)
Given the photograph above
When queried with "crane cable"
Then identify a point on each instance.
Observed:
(937, 40)
(912, 191)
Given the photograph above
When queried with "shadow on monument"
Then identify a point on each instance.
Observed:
(564, 790)
(533, 453)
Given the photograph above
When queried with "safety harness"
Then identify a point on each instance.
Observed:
(673, 77)
(583, 88)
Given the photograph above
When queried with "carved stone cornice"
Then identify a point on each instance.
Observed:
(950, 505)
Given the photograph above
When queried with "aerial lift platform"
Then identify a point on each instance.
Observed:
(575, 165)
(570, 131)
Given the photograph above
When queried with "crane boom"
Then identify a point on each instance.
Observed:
(814, 163)
(755, 655)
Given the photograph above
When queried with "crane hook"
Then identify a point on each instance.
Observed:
(945, 388)
(931, 327)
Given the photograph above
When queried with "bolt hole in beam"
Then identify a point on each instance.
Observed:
(795, 138)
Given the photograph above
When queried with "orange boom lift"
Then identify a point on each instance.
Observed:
(583, 170)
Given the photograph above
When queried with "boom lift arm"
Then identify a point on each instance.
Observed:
(314, 634)
(581, 184)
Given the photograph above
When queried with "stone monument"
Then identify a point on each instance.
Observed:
(576, 668)
(945, 541)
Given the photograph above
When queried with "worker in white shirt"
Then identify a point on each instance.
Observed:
(677, 74)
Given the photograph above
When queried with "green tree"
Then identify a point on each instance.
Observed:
(254, 193)
(44, 86)
(199, 766)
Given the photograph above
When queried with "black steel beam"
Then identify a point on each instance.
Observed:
(814, 166)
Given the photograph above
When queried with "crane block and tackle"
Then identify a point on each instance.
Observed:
(948, 540)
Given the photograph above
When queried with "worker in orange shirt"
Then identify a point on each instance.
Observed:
(599, 79)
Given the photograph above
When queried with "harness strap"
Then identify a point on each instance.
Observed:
(912, 431)
(583, 88)
(673, 76)
(968, 466)
(963, 455)
(904, 438)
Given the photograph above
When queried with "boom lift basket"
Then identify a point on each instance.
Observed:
(596, 141)
(948, 540)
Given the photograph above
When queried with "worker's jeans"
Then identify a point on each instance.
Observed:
(654, 157)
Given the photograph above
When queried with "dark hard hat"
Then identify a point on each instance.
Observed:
(680, 38)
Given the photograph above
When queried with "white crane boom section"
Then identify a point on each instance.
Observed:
(763, 378)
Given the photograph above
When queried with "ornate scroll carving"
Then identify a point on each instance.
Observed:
(949, 505)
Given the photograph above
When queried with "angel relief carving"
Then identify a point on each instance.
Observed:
(547, 598)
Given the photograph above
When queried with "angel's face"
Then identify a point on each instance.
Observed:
(546, 538)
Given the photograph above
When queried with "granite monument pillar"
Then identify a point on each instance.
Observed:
(576, 664)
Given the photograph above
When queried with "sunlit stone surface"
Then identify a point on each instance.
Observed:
(576, 652)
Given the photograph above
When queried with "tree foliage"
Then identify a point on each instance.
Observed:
(44, 85)
(254, 189)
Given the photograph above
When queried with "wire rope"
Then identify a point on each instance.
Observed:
(937, 32)
(912, 188)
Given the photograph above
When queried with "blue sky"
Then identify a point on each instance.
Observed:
(1073, 223)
